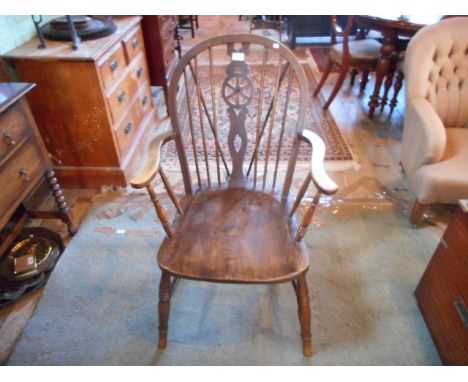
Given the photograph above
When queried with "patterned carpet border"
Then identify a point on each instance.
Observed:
(327, 128)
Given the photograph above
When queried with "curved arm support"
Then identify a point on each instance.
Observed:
(151, 166)
(424, 136)
(320, 178)
(317, 169)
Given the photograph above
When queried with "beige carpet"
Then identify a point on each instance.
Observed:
(99, 307)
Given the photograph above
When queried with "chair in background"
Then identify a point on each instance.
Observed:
(189, 22)
(236, 222)
(360, 55)
(435, 133)
(267, 22)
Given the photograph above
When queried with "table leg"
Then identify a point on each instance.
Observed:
(388, 46)
(388, 83)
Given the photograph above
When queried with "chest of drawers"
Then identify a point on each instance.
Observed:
(23, 157)
(442, 293)
(93, 105)
(158, 33)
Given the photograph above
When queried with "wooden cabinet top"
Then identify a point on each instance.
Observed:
(10, 92)
(88, 50)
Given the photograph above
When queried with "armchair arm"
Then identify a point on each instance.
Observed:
(424, 136)
(151, 166)
(145, 176)
(319, 176)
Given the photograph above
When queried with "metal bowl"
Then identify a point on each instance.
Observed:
(45, 252)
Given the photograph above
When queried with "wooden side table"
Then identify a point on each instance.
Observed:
(442, 293)
(24, 160)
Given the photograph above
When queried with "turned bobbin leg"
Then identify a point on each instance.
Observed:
(66, 214)
(354, 73)
(364, 80)
(302, 293)
(164, 307)
(396, 89)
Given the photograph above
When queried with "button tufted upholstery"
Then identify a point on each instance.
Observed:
(435, 135)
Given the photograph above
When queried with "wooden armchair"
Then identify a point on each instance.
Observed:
(360, 55)
(237, 148)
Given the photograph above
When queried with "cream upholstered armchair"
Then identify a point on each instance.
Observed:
(435, 134)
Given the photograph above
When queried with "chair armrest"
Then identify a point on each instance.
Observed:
(424, 136)
(319, 176)
(151, 166)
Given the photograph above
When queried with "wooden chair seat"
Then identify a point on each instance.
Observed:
(362, 52)
(234, 235)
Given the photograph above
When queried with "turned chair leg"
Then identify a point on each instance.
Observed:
(364, 80)
(302, 294)
(324, 77)
(396, 90)
(417, 213)
(354, 73)
(164, 307)
(387, 85)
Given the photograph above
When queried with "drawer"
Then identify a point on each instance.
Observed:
(145, 99)
(112, 66)
(119, 100)
(133, 43)
(127, 128)
(139, 70)
(20, 173)
(14, 128)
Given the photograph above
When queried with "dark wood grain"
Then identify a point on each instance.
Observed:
(158, 34)
(247, 240)
(446, 279)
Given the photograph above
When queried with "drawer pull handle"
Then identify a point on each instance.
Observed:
(113, 65)
(461, 309)
(144, 101)
(24, 174)
(135, 42)
(128, 128)
(139, 72)
(121, 96)
(9, 139)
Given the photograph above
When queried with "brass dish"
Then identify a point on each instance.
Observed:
(44, 251)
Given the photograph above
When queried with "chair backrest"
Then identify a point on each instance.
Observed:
(237, 104)
(337, 31)
(436, 68)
